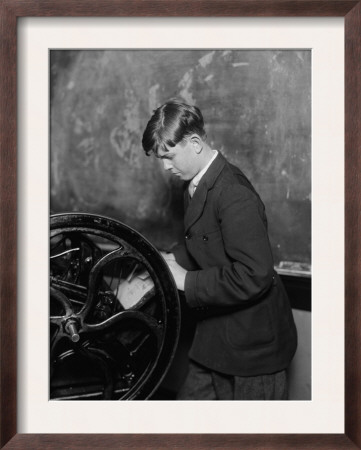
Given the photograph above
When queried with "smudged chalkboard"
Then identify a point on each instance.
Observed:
(257, 109)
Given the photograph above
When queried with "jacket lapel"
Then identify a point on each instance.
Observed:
(196, 204)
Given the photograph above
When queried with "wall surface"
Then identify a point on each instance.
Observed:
(257, 109)
(300, 371)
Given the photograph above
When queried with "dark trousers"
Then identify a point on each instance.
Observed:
(204, 384)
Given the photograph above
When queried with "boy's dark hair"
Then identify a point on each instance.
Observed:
(170, 124)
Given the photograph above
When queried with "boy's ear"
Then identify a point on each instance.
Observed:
(196, 142)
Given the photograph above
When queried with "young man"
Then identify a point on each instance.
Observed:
(245, 336)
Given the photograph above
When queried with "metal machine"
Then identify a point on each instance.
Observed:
(114, 311)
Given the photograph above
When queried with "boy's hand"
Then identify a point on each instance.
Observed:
(179, 274)
(168, 256)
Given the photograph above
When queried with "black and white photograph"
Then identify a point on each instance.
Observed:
(180, 224)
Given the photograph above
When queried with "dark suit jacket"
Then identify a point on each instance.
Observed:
(246, 327)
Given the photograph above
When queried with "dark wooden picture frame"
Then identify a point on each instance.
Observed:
(11, 10)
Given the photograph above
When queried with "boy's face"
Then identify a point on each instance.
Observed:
(181, 160)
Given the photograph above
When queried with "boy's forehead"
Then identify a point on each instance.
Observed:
(165, 150)
(162, 151)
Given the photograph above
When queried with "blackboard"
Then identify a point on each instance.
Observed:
(257, 109)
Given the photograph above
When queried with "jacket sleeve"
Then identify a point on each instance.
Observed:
(249, 273)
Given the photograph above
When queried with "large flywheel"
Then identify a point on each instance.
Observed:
(114, 311)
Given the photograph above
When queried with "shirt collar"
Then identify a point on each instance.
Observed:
(195, 181)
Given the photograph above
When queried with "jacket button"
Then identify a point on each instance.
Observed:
(205, 238)
(187, 236)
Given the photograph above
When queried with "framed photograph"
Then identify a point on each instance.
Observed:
(25, 399)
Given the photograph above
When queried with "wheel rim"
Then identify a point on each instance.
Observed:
(114, 311)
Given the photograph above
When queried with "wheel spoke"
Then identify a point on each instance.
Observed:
(100, 357)
(93, 279)
(63, 299)
(153, 325)
(56, 337)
